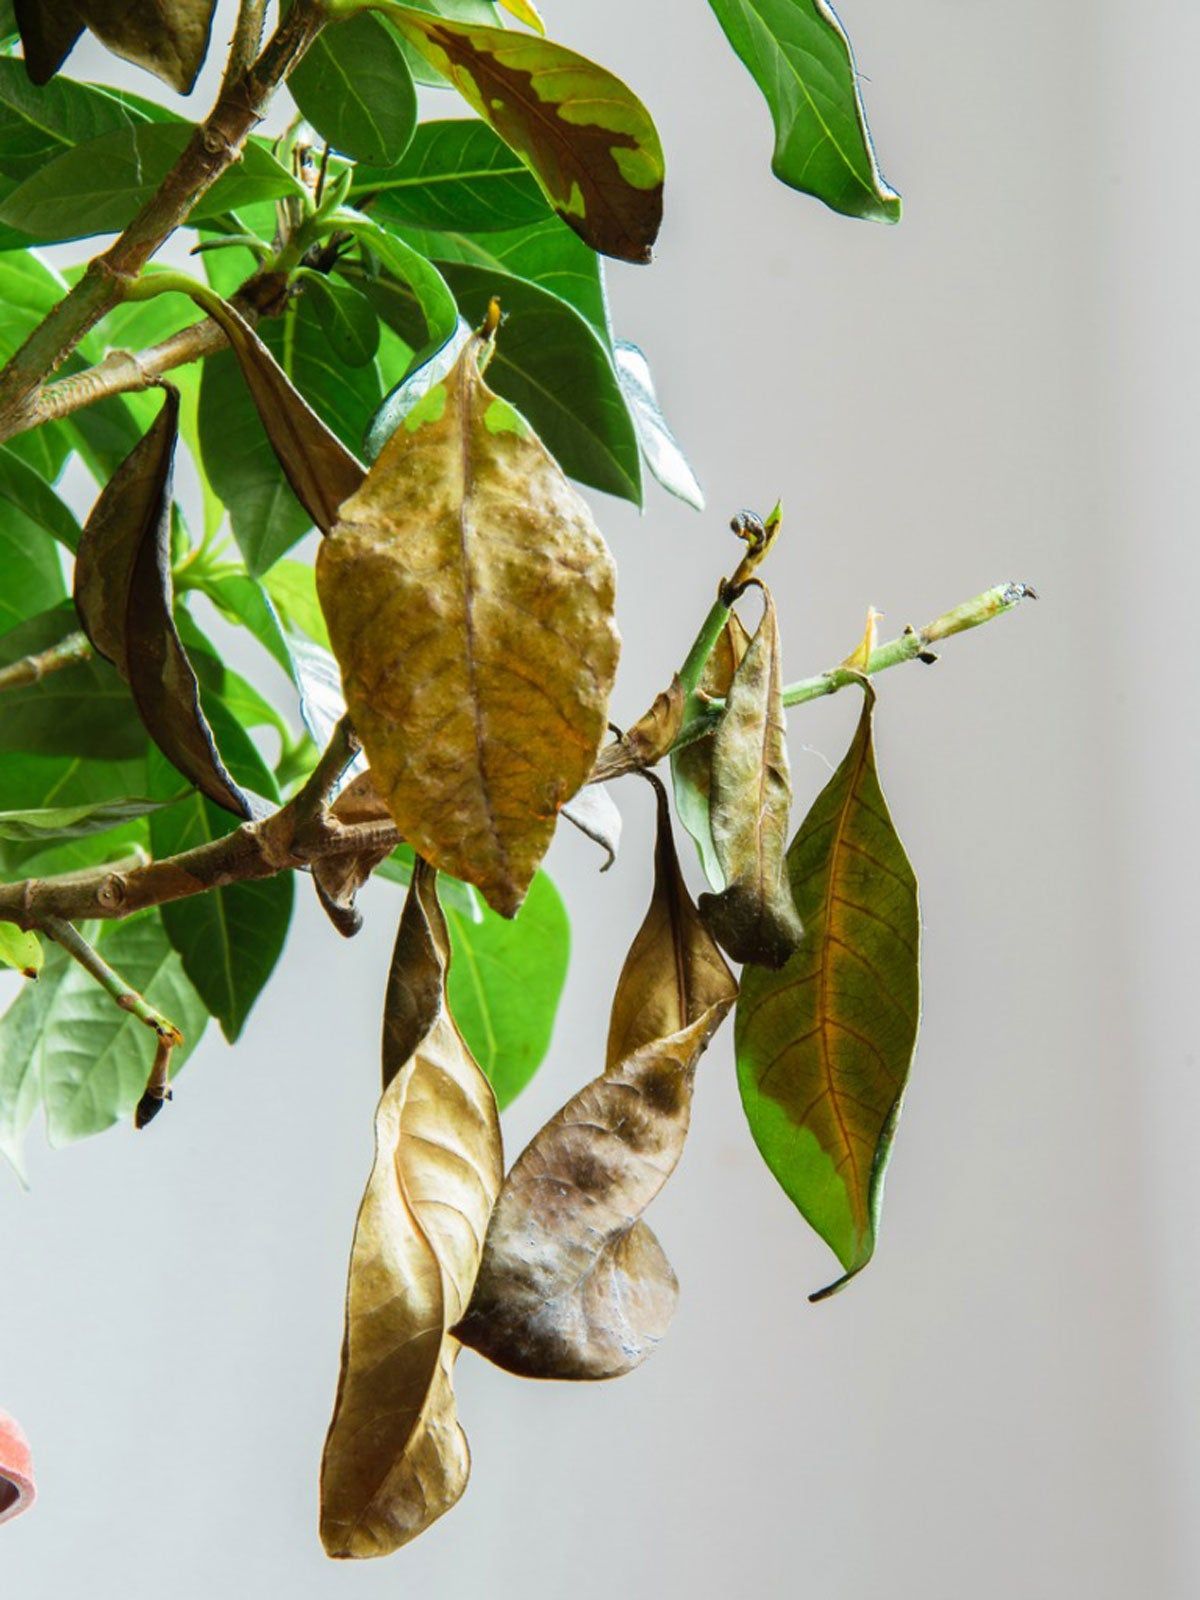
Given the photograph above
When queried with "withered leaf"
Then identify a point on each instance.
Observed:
(315, 462)
(691, 765)
(167, 37)
(754, 916)
(573, 1283)
(650, 738)
(584, 135)
(824, 1046)
(339, 878)
(594, 812)
(125, 599)
(49, 29)
(396, 1457)
(469, 597)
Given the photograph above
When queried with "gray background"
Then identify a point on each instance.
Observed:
(1006, 1404)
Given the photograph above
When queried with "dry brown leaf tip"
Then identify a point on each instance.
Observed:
(573, 1283)
(396, 1457)
(469, 597)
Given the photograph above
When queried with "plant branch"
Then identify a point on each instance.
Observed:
(67, 652)
(213, 148)
(247, 37)
(127, 998)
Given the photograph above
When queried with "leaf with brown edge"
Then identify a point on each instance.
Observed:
(586, 137)
(651, 736)
(573, 1283)
(824, 1046)
(469, 597)
(753, 916)
(321, 471)
(691, 765)
(49, 30)
(396, 1456)
(125, 599)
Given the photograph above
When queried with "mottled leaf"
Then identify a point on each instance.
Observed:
(573, 1283)
(396, 1457)
(469, 600)
(798, 54)
(753, 916)
(587, 138)
(691, 766)
(824, 1046)
(353, 85)
(125, 598)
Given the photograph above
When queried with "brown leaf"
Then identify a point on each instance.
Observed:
(125, 599)
(585, 136)
(396, 1457)
(754, 917)
(339, 878)
(315, 462)
(650, 738)
(49, 30)
(573, 1284)
(691, 766)
(469, 597)
(167, 37)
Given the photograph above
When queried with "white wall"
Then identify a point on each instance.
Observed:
(1005, 1404)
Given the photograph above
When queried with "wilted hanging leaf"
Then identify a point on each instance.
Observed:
(691, 766)
(824, 1046)
(650, 738)
(585, 136)
(49, 29)
(594, 812)
(124, 596)
(573, 1284)
(339, 878)
(754, 916)
(396, 1457)
(469, 597)
(316, 463)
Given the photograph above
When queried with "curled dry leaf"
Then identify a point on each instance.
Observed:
(754, 916)
(125, 599)
(594, 812)
(396, 1457)
(691, 766)
(469, 597)
(339, 878)
(321, 471)
(167, 37)
(573, 1284)
(585, 136)
(824, 1046)
(650, 738)
(49, 30)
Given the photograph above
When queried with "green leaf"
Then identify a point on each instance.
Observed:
(243, 600)
(36, 125)
(798, 54)
(505, 983)
(661, 450)
(65, 1044)
(100, 186)
(30, 502)
(584, 135)
(29, 290)
(825, 1044)
(346, 318)
(353, 85)
(42, 824)
(482, 11)
(229, 938)
(31, 578)
(20, 950)
(83, 710)
(456, 175)
(292, 585)
(35, 783)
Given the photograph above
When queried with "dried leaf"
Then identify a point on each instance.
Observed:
(650, 738)
(469, 597)
(396, 1457)
(49, 30)
(167, 37)
(753, 917)
(584, 135)
(315, 462)
(593, 811)
(824, 1046)
(573, 1284)
(691, 766)
(339, 878)
(125, 599)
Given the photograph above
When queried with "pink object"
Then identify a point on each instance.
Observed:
(17, 1492)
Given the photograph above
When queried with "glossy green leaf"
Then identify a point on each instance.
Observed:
(20, 950)
(65, 1044)
(346, 318)
(824, 1045)
(36, 125)
(229, 938)
(40, 824)
(798, 54)
(354, 87)
(100, 186)
(505, 983)
(28, 503)
(585, 136)
(83, 710)
(456, 175)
